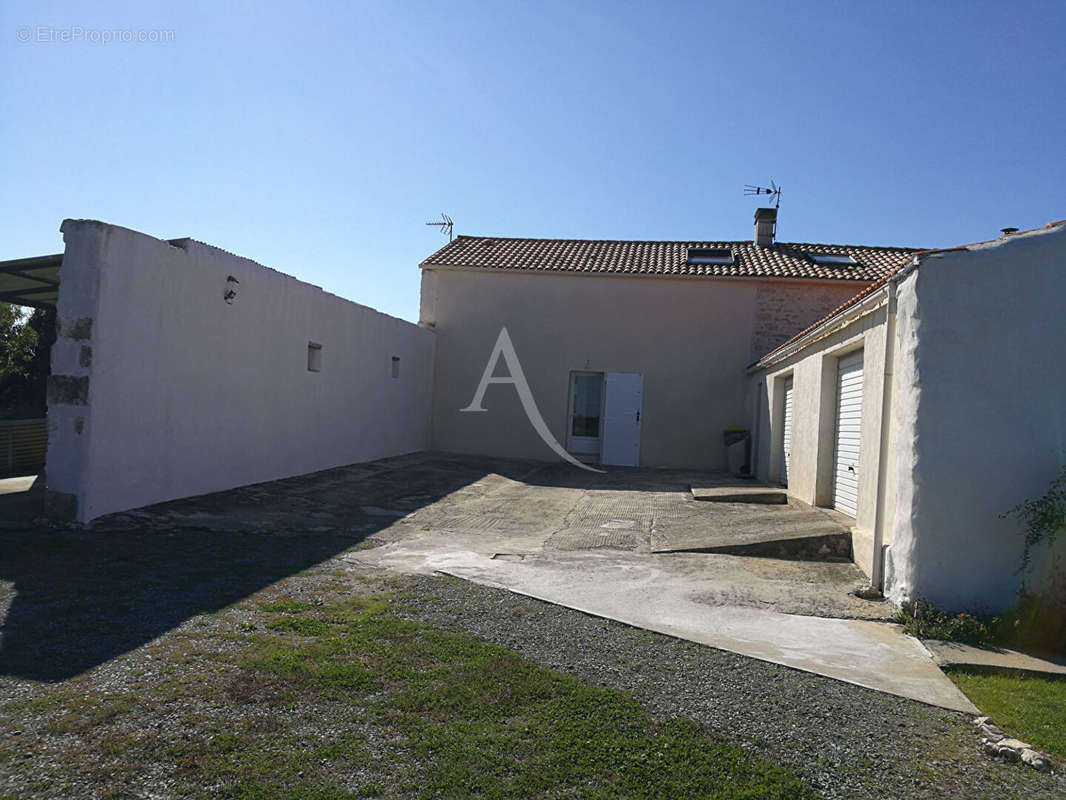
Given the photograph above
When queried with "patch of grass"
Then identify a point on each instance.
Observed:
(482, 721)
(292, 714)
(89, 713)
(1030, 708)
(253, 761)
(49, 701)
(321, 665)
(284, 607)
(303, 626)
(351, 748)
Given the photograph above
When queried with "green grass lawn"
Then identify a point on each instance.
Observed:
(387, 707)
(1029, 708)
(483, 722)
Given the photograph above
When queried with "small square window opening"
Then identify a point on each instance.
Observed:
(314, 357)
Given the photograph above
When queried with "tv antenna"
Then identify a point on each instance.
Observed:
(774, 191)
(445, 225)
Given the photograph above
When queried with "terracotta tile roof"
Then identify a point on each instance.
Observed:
(607, 257)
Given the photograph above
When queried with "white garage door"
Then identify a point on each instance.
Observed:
(786, 433)
(848, 435)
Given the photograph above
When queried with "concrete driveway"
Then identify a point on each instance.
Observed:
(546, 514)
(631, 545)
(637, 547)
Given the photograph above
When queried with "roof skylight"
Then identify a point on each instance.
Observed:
(698, 255)
(831, 259)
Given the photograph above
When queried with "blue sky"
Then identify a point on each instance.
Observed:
(317, 138)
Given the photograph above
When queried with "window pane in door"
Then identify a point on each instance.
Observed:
(587, 394)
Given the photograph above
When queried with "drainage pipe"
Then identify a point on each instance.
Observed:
(877, 569)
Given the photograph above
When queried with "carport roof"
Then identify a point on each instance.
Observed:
(31, 281)
(670, 259)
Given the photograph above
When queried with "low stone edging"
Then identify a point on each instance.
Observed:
(998, 744)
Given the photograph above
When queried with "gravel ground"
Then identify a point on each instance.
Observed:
(164, 597)
(845, 741)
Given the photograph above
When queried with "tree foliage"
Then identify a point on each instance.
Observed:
(25, 348)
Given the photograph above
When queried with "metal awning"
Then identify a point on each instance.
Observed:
(31, 281)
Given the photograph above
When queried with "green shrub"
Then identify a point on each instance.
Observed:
(1044, 518)
(1037, 623)
(922, 620)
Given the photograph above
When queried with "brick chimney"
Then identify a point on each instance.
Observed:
(765, 226)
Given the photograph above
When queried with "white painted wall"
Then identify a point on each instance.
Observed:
(980, 417)
(189, 394)
(814, 374)
(690, 339)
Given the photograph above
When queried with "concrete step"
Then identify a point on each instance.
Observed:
(761, 495)
(826, 547)
(786, 534)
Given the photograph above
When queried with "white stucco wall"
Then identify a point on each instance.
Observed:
(980, 415)
(813, 370)
(188, 394)
(691, 339)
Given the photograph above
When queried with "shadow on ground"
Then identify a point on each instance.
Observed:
(77, 598)
(82, 597)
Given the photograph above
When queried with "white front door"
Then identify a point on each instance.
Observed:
(585, 428)
(621, 419)
(786, 433)
(848, 435)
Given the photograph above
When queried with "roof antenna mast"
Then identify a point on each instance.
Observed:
(445, 225)
(774, 191)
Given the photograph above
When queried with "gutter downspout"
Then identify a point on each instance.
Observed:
(877, 569)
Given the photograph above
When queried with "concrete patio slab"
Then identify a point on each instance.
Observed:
(954, 654)
(666, 595)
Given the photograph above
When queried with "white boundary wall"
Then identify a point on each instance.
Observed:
(161, 389)
(980, 418)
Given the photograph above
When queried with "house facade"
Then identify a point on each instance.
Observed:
(922, 396)
(926, 408)
(634, 352)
